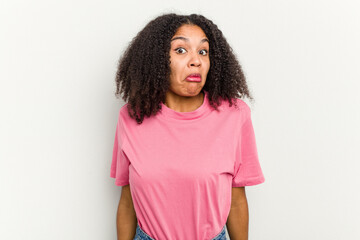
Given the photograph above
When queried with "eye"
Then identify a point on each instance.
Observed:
(180, 50)
(203, 52)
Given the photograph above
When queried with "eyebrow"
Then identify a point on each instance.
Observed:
(186, 39)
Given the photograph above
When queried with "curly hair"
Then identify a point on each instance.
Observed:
(144, 68)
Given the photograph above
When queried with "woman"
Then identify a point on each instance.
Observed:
(185, 166)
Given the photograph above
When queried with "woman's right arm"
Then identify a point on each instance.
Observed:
(126, 220)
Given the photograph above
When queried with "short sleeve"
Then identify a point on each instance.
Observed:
(120, 163)
(247, 169)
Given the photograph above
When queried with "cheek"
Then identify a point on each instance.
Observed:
(175, 68)
(172, 70)
(207, 65)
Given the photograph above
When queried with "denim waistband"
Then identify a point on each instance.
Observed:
(141, 235)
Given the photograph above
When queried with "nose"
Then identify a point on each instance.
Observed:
(195, 60)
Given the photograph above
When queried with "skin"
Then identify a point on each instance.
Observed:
(238, 220)
(189, 53)
(126, 219)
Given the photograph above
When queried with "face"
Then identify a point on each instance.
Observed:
(189, 54)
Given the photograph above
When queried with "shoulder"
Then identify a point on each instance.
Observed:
(123, 109)
(240, 108)
(234, 115)
(242, 104)
(244, 110)
(123, 117)
(123, 112)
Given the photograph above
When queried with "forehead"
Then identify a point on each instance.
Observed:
(188, 30)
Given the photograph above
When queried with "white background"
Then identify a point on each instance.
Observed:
(58, 113)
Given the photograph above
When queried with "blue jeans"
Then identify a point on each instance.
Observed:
(141, 235)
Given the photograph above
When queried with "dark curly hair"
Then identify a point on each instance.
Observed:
(144, 69)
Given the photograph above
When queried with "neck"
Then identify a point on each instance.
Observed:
(184, 103)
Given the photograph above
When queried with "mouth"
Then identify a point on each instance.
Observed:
(195, 77)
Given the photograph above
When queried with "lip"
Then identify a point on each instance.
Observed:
(194, 77)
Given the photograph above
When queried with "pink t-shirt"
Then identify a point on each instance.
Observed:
(181, 167)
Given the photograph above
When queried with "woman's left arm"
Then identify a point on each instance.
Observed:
(238, 221)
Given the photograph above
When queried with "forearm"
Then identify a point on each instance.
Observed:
(126, 223)
(238, 222)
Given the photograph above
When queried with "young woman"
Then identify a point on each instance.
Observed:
(184, 145)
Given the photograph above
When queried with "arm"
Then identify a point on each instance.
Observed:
(238, 220)
(126, 220)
